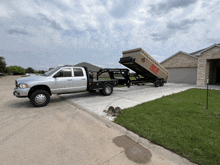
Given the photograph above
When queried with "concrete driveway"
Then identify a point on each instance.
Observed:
(60, 133)
(124, 97)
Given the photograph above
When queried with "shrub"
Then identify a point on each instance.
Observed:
(16, 70)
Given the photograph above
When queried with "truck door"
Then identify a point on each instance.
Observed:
(64, 81)
(80, 79)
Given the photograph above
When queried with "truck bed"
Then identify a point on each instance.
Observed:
(99, 84)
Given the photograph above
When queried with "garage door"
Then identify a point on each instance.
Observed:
(183, 75)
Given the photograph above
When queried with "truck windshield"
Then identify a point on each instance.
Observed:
(50, 72)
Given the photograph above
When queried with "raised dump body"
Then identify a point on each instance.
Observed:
(143, 64)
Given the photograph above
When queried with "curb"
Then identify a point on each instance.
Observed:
(144, 142)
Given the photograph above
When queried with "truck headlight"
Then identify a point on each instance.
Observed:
(23, 85)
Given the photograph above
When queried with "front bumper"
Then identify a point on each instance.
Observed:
(21, 92)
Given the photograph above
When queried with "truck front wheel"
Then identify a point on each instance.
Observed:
(107, 90)
(40, 98)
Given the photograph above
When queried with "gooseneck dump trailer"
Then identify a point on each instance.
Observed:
(145, 67)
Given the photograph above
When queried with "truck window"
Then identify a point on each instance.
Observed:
(50, 72)
(65, 72)
(77, 72)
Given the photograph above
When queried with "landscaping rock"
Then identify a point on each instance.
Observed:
(113, 111)
(117, 109)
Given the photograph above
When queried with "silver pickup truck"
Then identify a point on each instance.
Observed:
(60, 80)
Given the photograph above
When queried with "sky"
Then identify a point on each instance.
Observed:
(43, 34)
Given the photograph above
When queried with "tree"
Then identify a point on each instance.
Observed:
(29, 70)
(41, 71)
(2, 65)
(16, 70)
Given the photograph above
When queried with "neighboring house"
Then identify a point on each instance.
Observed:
(92, 68)
(89, 66)
(196, 67)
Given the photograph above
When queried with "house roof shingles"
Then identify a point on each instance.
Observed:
(195, 54)
(199, 52)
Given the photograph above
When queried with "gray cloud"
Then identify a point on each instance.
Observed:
(161, 36)
(123, 8)
(173, 27)
(183, 25)
(213, 40)
(17, 31)
(165, 7)
(52, 23)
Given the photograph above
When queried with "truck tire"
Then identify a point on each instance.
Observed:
(40, 98)
(107, 90)
(157, 83)
(161, 82)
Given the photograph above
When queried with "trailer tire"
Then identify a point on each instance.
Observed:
(107, 90)
(157, 83)
(40, 98)
(161, 82)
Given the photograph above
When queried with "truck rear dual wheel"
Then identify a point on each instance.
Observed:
(40, 98)
(159, 82)
(107, 90)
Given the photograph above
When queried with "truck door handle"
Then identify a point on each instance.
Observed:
(69, 79)
(83, 79)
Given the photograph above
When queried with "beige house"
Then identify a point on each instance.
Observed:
(196, 67)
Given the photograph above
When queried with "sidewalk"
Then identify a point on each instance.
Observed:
(134, 149)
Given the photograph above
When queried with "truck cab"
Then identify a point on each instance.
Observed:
(69, 79)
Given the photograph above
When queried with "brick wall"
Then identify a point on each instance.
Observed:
(204, 65)
(181, 60)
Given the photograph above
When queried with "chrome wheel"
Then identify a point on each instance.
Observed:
(108, 89)
(40, 98)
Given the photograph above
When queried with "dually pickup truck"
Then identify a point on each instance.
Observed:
(60, 80)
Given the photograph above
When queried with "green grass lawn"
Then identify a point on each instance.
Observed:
(180, 123)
